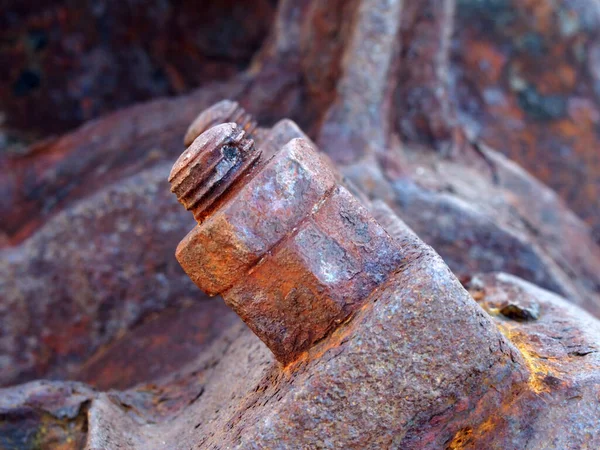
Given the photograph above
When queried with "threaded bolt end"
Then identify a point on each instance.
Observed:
(210, 166)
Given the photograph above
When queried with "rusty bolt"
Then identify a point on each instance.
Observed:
(286, 245)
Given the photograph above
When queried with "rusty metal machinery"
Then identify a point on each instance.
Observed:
(389, 278)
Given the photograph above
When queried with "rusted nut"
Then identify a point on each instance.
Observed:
(316, 278)
(279, 237)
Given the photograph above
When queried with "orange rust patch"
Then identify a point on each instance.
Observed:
(462, 439)
(538, 368)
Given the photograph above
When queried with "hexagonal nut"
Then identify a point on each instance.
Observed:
(273, 201)
(316, 278)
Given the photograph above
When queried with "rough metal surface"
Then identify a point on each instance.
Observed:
(76, 195)
(559, 344)
(524, 75)
(499, 218)
(424, 387)
(43, 414)
(88, 274)
(472, 216)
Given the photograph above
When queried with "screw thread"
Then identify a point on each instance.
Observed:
(210, 166)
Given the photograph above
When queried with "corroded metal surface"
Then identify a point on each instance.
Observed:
(524, 75)
(58, 172)
(559, 344)
(88, 274)
(530, 386)
(96, 283)
(44, 414)
(224, 111)
(211, 166)
(337, 394)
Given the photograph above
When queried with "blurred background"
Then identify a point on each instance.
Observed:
(65, 62)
